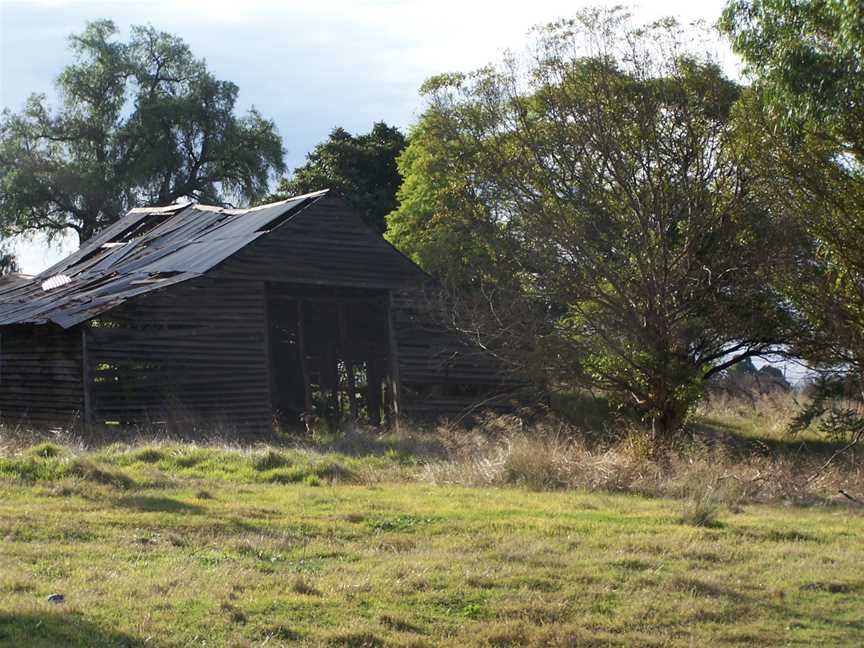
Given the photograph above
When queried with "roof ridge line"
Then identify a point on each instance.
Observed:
(158, 210)
(226, 210)
(311, 194)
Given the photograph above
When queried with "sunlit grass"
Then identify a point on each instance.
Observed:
(181, 545)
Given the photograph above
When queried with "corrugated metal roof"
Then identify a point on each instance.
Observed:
(147, 249)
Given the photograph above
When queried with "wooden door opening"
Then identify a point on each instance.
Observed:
(329, 354)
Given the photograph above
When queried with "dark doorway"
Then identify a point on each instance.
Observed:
(329, 353)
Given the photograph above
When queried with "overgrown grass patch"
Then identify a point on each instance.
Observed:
(492, 537)
(408, 563)
(121, 465)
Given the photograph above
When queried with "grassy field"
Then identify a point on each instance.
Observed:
(181, 545)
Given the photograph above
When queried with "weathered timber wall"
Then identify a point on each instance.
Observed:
(196, 351)
(344, 346)
(40, 376)
(325, 244)
(441, 372)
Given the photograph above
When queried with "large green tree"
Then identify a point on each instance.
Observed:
(141, 122)
(806, 121)
(595, 198)
(362, 168)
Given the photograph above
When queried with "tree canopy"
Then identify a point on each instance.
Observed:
(807, 57)
(141, 122)
(806, 121)
(596, 193)
(361, 168)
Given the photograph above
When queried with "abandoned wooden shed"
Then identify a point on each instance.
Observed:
(234, 316)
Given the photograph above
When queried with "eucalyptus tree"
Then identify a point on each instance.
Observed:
(141, 122)
(806, 128)
(594, 196)
(805, 125)
(8, 262)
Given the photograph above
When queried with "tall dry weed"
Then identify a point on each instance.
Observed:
(549, 456)
(713, 463)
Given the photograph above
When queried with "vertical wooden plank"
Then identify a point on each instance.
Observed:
(345, 343)
(393, 353)
(301, 343)
(268, 350)
(86, 383)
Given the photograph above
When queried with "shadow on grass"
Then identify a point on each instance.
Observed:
(418, 444)
(53, 629)
(717, 431)
(150, 504)
(702, 588)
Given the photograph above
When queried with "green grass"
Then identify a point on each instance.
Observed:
(188, 546)
(755, 432)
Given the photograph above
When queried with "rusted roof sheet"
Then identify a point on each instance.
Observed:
(146, 250)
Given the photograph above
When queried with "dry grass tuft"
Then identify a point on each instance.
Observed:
(737, 452)
(701, 510)
(90, 471)
(707, 471)
(303, 585)
(270, 459)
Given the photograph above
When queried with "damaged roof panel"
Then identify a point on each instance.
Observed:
(146, 250)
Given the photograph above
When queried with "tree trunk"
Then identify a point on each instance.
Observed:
(667, 423)
(669, 413)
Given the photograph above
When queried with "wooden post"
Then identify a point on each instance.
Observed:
(301, 342)
(330, 380)
(393, 353)
(373, 387)
(345, 343)
(87, 414)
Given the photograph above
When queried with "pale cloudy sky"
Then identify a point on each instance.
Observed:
(308, 65)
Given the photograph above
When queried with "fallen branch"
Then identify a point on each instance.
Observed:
(850, 498)
(858, 436)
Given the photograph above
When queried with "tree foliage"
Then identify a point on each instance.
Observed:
(8, 262)
(807, 56)
(806, 122)
(361, 168)
(597, 191)
(141, 122)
